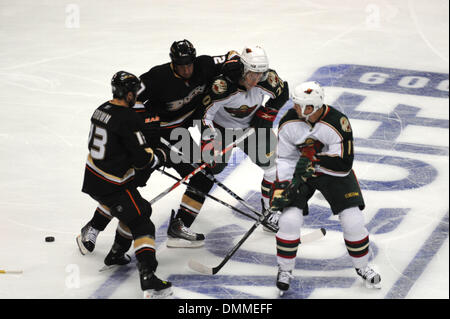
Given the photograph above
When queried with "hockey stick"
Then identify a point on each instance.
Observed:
(201, 268)
(212, 178)
(201, 167)
(271, 227)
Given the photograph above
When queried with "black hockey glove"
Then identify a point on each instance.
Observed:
(233, 69)
(282, 194)
(142, 175)
(264, 117)
(278, 102)
(304, 169)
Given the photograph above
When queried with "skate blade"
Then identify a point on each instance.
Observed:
(183, 243)
(373, 286)
(81, 247)
(281, 293)
(105, 268)
(162, 294)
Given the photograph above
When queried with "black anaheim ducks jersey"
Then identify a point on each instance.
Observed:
(116, 147)
(175, 100)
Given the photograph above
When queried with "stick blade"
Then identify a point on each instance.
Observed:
(195, 265)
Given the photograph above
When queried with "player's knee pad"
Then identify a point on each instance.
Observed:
(290, 222)
(353, 224)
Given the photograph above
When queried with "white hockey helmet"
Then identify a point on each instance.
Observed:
(254, 59)
(308, 93)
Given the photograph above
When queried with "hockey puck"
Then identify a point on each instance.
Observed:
(49, 239)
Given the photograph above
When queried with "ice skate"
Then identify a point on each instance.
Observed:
(152, 286)
(284, 278)
(86, 240)
(180, 236)
(370, 277)
(114, 259)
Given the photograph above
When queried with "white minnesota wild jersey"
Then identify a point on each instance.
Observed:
(333, 131)
(232, 106)
(292, 131)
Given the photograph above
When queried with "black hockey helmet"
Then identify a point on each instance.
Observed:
(123, 82)
(182, 52)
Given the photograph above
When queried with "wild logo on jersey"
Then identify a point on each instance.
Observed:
(345, 124)
(242, 111)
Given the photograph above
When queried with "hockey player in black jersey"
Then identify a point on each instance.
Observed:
(173, 93)
(118, 162)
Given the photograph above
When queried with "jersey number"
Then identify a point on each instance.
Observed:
(99, 138)
(219, 59)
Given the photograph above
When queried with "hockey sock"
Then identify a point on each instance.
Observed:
(123, 238)
(266, 186)
(101, 218)
(287, 250)
(288, 237)
(356, 236)
(190, 206)
(144, 250)
(358, 251)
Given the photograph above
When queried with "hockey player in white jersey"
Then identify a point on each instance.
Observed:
(237, 102)
(315, 152)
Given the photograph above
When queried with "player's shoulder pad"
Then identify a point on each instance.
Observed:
(220, 88)
(156, 73)
(204, 59)
(123, 120)
(336, 119)
(289, 117)
(272, 83)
